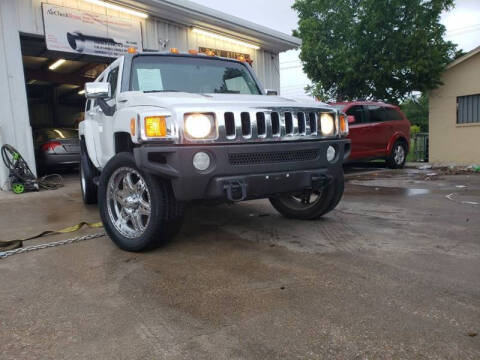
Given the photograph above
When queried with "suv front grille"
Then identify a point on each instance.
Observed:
(272, 157)
(277, 124)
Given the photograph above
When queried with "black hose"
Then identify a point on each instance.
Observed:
(20, 169)
(47, 184)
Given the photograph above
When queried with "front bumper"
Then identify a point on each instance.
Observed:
(244, 171)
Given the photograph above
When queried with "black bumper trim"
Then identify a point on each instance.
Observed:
(254, 180)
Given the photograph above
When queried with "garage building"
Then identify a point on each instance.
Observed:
(454, 116)
(50, 48)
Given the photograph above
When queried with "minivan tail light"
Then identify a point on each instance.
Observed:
(51, 145)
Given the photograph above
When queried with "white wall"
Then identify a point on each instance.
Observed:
(14, 122)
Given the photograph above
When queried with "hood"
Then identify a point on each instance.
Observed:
(173, 100)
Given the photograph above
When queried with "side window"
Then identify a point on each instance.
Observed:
(357, 112)
(391, 114)
(375, 113)
(112, 79)
(468, 109)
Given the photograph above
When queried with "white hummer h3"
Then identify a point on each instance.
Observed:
(164, 129)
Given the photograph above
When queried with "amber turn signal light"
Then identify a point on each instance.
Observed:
(343, 124)
(132, 126)
(155, 126)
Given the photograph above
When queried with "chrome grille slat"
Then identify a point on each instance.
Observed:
(295, 123)
(268, 124)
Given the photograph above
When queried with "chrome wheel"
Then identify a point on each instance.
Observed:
(128, 202)
(399, 154)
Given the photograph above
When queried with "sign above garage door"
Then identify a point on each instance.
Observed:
(90, 33)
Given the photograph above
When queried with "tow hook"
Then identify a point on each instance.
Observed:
(236, 190)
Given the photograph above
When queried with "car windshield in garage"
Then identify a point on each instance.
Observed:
(58, 133)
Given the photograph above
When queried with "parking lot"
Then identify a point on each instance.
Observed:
(393, 272)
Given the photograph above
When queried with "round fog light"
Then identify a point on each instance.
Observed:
(201, 161)
(331, 153)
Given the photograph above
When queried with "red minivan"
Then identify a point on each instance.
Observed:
(377, 130)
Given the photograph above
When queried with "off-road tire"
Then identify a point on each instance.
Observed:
(166, 213)
(328, 199)
(87, 173)
(339, 189)
(393, 162)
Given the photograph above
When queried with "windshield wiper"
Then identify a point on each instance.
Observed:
(153, 91)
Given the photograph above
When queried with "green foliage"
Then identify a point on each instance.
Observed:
(416, 110)
(372, 49)
(414, 129)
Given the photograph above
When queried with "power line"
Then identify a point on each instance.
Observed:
(463, 28)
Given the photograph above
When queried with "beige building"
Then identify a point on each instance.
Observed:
(454, 115)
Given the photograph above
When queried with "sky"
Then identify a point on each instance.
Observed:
(462, 23)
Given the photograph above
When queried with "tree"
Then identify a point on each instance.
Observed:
(372, 49)
(416, 110)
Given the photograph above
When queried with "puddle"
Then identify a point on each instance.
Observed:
(464, 196)
(359, 189)
(416, 192)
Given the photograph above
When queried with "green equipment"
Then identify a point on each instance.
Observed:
(21, 177)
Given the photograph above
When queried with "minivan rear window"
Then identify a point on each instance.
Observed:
(376, 113)
(392, 114)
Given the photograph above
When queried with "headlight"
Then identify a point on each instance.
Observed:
(200, 126)
(327, 124)
(343, 124)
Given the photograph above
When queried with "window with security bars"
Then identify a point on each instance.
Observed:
(468, 109)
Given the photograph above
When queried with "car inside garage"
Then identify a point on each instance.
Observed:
(54, 84)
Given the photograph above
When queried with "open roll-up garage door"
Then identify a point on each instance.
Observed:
(54, 82)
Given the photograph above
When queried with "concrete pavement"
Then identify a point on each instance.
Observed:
(393, 272)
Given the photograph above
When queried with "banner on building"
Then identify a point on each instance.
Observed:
(90, 33)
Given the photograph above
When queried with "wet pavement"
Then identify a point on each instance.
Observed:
(392, 273)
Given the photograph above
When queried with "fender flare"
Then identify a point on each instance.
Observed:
(397, 135)
(83, 129)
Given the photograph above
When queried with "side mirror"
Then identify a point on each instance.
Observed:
(97, 90)
(351, 119)
(271, 92)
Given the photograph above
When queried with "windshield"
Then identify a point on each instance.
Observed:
(191, 74)
(58, 133)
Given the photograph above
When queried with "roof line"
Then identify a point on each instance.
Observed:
(464, 57)
(192, 8)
